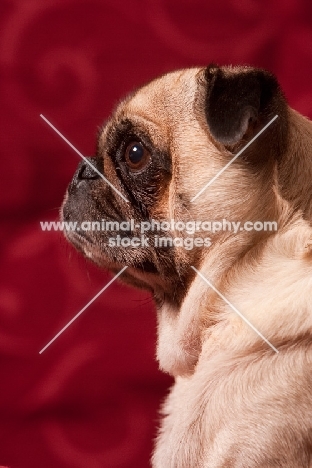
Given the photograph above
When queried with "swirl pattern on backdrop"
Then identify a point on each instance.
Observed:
(92, 398)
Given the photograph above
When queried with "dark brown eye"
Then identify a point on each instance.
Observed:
(136, 156)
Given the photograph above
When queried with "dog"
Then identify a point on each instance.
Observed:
(235, 311)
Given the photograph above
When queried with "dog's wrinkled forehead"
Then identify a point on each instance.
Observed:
(163, 109)
(163, 100)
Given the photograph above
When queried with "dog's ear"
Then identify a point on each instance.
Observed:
(239, 100)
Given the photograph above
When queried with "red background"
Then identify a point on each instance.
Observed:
(91, 399)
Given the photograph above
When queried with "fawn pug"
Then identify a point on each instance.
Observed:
(240, 398)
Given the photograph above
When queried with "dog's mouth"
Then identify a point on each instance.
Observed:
(141, 275)
(105, 257)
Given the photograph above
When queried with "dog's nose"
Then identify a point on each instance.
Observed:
(86, 172)
(89, 171)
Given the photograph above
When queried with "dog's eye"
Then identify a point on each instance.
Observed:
(137, 156)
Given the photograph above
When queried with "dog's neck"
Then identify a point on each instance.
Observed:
(180, 328)
(205, 317)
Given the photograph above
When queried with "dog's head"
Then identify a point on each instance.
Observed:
(162, 145)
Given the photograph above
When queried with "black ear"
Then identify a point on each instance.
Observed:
(239, 100)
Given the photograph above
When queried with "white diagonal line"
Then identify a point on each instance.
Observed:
(235, 310)
(233, 159)
(83, 157)
(82, 310)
